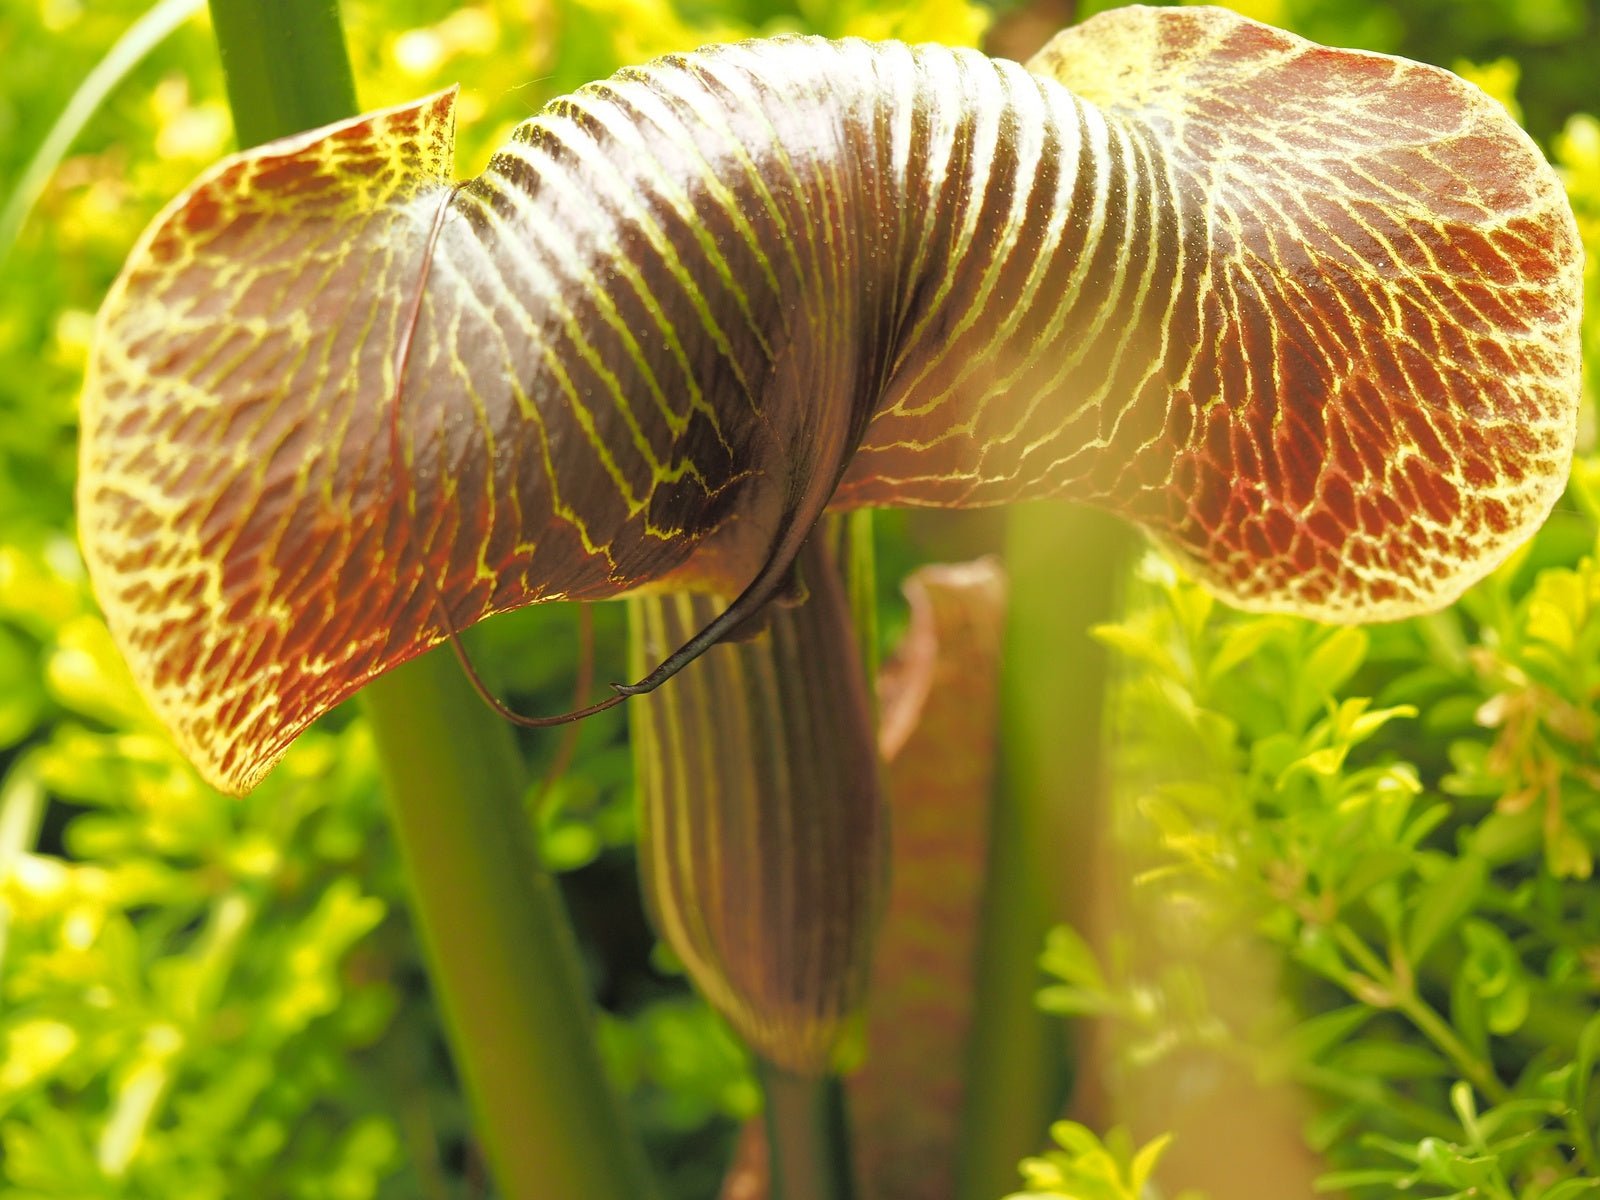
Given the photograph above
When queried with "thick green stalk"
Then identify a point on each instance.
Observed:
(808, 1136)
(1064, 567)
(285, 65)
(501, 953)
(503, 962)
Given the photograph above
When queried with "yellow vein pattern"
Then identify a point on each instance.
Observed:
(1368, 395)
(1309, 316)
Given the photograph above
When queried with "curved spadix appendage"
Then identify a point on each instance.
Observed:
(1309, 316)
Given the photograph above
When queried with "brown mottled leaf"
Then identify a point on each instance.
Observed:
(1358, 392)
(237, 508)
(1309, 316)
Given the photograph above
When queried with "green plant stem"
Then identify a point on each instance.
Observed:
(859, 561)
(808, 1136)
(1421, 1014)
(285, 65)
(1437, 1030)
(503, 961)
(1065, 567)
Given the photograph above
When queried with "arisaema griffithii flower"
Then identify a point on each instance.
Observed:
(1307, 316)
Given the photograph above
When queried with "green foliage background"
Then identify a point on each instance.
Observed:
(203, 997)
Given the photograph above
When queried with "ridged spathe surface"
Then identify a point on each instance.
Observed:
(1309, 316)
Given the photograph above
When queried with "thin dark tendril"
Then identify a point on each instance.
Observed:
(747, 604)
